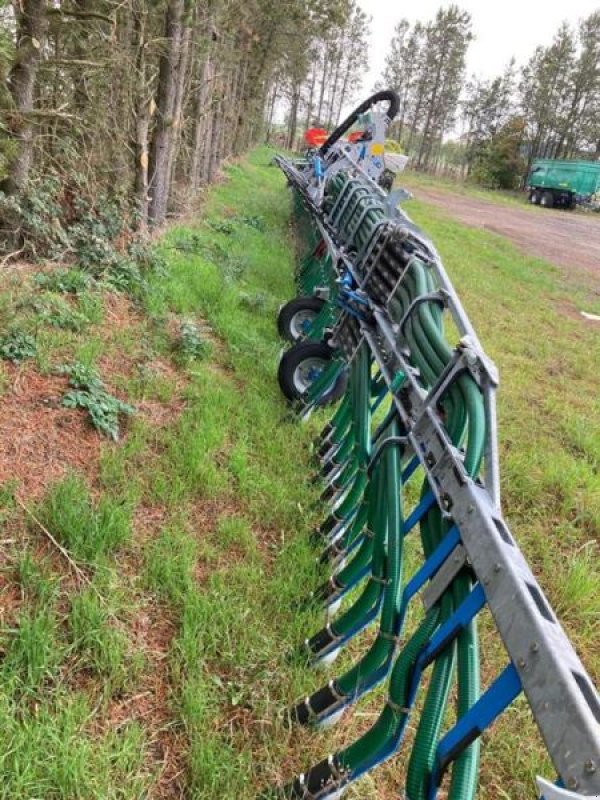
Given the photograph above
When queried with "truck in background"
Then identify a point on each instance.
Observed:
(564, 184)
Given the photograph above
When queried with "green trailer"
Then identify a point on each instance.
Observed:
(563, 184)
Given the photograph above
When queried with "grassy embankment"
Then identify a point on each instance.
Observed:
(148, 657)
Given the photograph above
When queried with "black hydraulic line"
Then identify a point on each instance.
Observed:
(393, 108)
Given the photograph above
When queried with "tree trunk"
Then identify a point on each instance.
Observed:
(201, 120)
(215, 133)
(311, 97)
(231, 116)
(180, 92)
(334, 85)
(425, 148)
(218, 152)
(142, 119)
(271, 112)
(32, 24)
(293, 126)
(80, 92)
(416, 116)
(210, 132)
(344, 91)
(163, 133)
(239, 104)
(322, 89)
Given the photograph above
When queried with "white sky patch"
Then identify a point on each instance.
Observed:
(502, 29)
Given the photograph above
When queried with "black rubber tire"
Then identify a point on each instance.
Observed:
(294, 357)
(547, 200)
(285, 319)
(534, 197)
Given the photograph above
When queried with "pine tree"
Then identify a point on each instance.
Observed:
(426, 65)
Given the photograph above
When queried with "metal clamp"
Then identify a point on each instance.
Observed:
(396, 707)
(440, 297)
(444, 577)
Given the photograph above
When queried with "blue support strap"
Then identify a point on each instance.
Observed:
(419, 512)
(490, 705)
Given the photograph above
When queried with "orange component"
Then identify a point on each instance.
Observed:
(355, 136)
(315, 137)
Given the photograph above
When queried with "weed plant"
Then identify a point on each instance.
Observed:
(89, 393)
(17, 345)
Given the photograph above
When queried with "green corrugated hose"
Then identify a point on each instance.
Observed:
(377, 503)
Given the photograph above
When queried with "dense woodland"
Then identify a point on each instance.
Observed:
(115, 114)
(322, 74)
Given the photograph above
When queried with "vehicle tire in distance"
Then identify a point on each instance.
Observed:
(547, 200)
(534, 197)
(296, 317)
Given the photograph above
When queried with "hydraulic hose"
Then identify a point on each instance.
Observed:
(393, 108)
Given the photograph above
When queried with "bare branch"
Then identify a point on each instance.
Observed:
(80, 15)
(43, 113)
(73, 62)
(64, 553)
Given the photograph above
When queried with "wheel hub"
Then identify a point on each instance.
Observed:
(300, 323)
(307, 372)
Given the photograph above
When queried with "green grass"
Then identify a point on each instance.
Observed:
(203, 601)
(97, 646)
(173, 640)
(89, 531)
(415, 180)
(170, 561)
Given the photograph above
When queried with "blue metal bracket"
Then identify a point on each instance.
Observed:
(419, 512)
(490, 705)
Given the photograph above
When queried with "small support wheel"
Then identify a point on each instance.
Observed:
(302, 364)
(296, 317)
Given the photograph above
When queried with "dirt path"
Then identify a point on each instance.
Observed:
(567, 239)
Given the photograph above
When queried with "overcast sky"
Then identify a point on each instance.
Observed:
(502, 29)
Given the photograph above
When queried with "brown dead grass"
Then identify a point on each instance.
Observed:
(151, 630)
(42, 440)
(120, 312)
